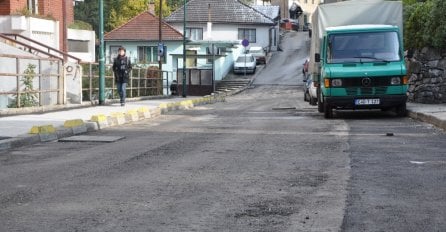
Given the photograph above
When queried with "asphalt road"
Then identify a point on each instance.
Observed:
(264, 160)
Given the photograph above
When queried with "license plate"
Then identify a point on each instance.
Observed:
(367, 102)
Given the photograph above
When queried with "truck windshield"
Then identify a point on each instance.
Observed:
(363, 47)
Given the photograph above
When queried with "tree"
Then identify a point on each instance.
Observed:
(424, 23)
(166, 8)
(123, 10)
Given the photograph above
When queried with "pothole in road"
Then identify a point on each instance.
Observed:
(276, 207)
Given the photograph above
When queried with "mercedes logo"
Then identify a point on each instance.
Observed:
(366, 82)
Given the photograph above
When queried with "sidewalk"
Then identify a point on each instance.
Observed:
(432, 114)
(22, 130)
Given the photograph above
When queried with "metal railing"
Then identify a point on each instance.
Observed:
(142, 82)
(37, 48)
(29, 71)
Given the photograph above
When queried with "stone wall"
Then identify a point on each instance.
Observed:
(427, 76)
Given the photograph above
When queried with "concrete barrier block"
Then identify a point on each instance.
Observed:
(64, 132)
(73, 123)
(119, 117)
(92, 126)
(112, 121)
(77, 126)
(155, 112)
(131, 116)
(164, 108)
(101, 120)
(144, 112)
(45, 129)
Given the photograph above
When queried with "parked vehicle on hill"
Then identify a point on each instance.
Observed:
(259, 54)
(310, 90)
(245, 63)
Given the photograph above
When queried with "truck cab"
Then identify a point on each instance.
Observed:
(362, 67)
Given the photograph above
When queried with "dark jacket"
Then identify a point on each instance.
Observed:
(121, 69)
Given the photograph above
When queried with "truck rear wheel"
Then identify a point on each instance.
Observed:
(320, 105)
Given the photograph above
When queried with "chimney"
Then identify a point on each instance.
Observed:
(209, 28)
(151, 7)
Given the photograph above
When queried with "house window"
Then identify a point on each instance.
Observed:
(194, 33)
(32, 6)
(149, 54)
(247, 33)
(77, 46)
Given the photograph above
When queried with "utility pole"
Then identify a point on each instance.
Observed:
(184, 50)
(101, 54)
(160, 42)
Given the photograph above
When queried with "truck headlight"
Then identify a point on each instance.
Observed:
(395, 81)
(336, 82)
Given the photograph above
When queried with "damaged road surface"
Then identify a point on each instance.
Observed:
(233, 166)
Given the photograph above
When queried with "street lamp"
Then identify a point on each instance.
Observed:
(101, 54)
(184, 50)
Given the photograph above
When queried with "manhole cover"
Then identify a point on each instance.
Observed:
(86, 138)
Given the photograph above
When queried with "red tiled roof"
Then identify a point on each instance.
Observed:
(144, 27)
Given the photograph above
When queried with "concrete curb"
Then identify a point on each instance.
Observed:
(427, 118)
(45, 133)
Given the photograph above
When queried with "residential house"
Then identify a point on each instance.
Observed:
(47, 22)
(273, 12)
(231, 20)
(140, 37)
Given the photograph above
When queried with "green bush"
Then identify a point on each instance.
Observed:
(28, 98)
(81, 25)
(424, 24)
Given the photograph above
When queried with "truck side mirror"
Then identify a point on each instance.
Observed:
(317, 57)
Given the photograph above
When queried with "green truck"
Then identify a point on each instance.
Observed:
(359, 57)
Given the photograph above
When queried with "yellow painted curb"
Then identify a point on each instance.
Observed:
(143, 109)
(134, 111)
(99, 118)
(73, 123)
(118, 115)
(46, 129)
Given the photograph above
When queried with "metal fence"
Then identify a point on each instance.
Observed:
(27, 81)
(143, 82)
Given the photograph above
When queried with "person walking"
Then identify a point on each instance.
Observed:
(121, 68)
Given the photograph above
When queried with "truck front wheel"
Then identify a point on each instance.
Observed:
(401, 110)
(328, 111)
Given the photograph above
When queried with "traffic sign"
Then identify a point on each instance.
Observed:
(245, 43)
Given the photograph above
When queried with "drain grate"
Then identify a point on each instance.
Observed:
(284, 108)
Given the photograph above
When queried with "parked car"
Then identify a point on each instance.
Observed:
(305, 67)
(245, 63)
(307, 27)
(259, 54)
(310, 90)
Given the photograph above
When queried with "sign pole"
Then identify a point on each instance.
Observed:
(101, 54)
